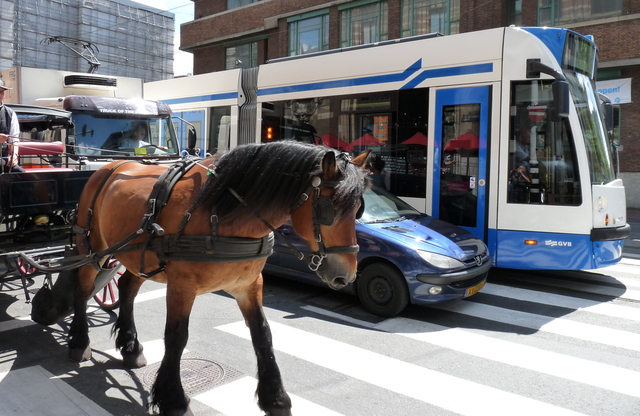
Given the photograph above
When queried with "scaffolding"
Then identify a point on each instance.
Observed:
(132, 39)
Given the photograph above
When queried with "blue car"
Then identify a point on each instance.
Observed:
(405, 257)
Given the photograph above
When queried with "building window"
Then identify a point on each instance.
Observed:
(234, 4)
(558, 12)
(515, 12)
(308, 33)
(242, 56)
(363, 22)
(429, 16)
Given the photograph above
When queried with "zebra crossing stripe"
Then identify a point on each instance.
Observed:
(150, 295)
(595, 287)
(604, 376)
(407, 379)
(559, 326)
(600, 308)
(237, 399)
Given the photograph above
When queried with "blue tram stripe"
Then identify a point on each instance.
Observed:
(340, 83)
(448, 72)
(200, 98)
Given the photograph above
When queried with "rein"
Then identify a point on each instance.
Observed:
(323, 214)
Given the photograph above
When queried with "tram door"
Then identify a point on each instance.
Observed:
(460, 162)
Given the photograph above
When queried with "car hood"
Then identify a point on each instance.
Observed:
(430, 234)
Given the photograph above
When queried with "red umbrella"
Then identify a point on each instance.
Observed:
(467, 140)
(418, 138)
(366, 140)
(330, 140)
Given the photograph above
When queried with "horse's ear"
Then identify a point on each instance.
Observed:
(329, 168)
(362, 158)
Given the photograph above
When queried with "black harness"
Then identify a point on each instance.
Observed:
(323, 214)
(208, 248)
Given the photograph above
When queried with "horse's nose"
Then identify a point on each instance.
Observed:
(339, 282)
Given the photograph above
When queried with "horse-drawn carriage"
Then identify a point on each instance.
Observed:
(37, 206)
(198, 225)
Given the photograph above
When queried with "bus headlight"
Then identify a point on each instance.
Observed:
(440, 261)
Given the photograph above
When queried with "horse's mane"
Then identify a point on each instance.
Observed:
(271, 178)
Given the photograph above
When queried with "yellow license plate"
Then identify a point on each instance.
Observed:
(474, 289)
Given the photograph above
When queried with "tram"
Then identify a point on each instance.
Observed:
(499, 131)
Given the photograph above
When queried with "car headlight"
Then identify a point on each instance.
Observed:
(440, 261)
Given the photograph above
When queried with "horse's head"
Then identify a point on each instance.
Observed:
(326, 220)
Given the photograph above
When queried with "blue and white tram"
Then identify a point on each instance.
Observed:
(499, 131)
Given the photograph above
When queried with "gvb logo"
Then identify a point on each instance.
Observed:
(554, 243)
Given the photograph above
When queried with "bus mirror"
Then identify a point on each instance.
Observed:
(85, 131)
(560, 89)
(191, 136)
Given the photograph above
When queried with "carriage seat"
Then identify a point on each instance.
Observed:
(31, 153)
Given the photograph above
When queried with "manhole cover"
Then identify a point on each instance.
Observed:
(197, 374)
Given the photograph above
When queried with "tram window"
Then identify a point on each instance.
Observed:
(392, 124)
(460, 164)
(219, 129)
(541, 168)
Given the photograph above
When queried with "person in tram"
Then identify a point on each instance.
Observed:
(379, 177)
(9, 135)
(519, 177)
(523, 148)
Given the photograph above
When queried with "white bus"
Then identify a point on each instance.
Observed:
(499, 131)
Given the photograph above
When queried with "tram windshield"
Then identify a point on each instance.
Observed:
(580, 63)
(595, 137)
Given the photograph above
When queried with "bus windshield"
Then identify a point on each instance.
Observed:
(595, 136)
(118, 137)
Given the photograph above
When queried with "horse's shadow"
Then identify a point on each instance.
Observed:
(102, 380)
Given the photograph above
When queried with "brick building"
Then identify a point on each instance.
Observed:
(231, 33)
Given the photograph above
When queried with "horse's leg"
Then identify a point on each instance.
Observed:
(79, 349)
(125, 327)
(167, 392)
(272, 397)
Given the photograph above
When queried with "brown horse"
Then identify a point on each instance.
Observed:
(214, 233)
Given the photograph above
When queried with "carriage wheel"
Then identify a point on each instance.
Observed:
(24, 267)
(109, 298)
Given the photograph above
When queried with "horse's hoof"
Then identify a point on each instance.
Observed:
(279, 412)
(174, 412)
(133, 360)
(79, 354)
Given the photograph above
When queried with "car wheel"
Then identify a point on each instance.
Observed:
(382, 290)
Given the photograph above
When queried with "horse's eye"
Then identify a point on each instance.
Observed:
(361, 209)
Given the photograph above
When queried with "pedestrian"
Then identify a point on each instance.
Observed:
(9, 135)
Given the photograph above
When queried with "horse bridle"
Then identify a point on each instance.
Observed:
(323, 214)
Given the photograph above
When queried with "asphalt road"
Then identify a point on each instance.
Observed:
(632, 245)
(530, 343)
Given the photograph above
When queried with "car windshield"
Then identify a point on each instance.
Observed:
(382, 206)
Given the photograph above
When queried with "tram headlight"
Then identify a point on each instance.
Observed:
(602, 203)
(440, 261)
